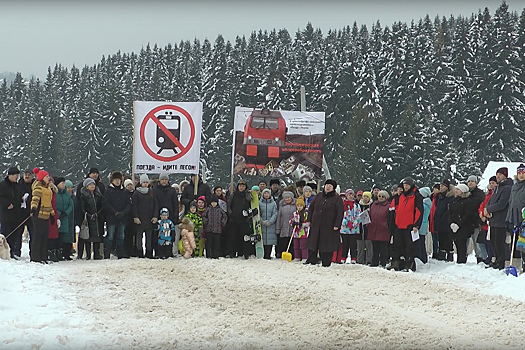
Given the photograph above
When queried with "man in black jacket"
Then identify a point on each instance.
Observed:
(188, 195)
(167, 198)
(117, 209)
(10, 211)
(496, 211)
(442, 220)
(477, 196)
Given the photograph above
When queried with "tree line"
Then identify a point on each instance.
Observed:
(417, 98)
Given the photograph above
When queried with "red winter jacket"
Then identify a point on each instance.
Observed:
(409, 211)
(482, 206)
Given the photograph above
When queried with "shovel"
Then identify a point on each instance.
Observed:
(285, 255)
(511, 270)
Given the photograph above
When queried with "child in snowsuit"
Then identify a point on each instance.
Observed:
(187, 238)
(214, 219)
(196, 219)
(300, 230)
(350, 227)
(166, 234)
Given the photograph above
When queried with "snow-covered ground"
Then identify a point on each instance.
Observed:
(256, 304)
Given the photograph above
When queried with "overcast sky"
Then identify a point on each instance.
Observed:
(38, 34)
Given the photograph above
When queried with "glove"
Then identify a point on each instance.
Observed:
(94, 216)
(454, 227)
(153, 220)
(63, 214)
(59, 223)
(137, 221)
(52, 220)
(34, 213)
(264, 222)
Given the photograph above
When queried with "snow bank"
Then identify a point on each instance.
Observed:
(257, 304)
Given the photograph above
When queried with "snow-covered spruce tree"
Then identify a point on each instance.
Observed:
(217, 115)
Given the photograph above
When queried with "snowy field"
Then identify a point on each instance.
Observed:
(256, 304)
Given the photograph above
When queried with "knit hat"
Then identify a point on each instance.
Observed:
(263, 181)
(300, 201)
(13, 171)
(40, 173)
(59, 180)
(201, 198)
(313, 185)
(425, 192)
(503, 171)
(69, 183)
(521, 169)
(463, 188)
(300, 183)
(446, 183)
(287, 194)
(472, 178)
(164, 211)
(93, 171)
(349, 191)
(241, 181)
(274, 181)
(88, 181)
(128, 182)
(360, 192)
(493, 178)
(376, 186)
(267, 190)
(383, 193)
(144, 178)
(214, 198)
(409, 181)
(367, 194)
(164, 176)
(331, 182)
(193, 204)
(436, 186)
(255, 188)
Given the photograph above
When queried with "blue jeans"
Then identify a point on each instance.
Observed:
(111, 232)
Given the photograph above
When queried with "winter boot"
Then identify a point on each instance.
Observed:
(107, 252)
(450, 256)
(66, 252)
(59, 254)
(52, 255)
(395, 265)
(121, 252)
(149, 253)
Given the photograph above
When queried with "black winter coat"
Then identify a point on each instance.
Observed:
(117, 206)
(26, 188)
(517, 202)
(477, 197)
(238, 202)
(463, 212)
(499, 204)
(167, 198)
(188, 196)
(325, 212)
(441, 215)
(10, 195)
(91, 204)
(145, 206)
(99, 184)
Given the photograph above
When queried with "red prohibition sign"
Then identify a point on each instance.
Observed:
(151, 116)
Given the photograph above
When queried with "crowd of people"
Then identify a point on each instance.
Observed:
(147, 218)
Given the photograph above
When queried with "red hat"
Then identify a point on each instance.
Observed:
(40, 173)
(359, 192)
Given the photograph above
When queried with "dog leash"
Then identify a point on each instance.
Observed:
(23, 222)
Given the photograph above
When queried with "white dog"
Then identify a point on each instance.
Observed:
(5, 251)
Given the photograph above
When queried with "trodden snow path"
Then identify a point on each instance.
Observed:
(255, 304)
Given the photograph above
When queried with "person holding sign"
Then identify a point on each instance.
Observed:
(409, 216)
